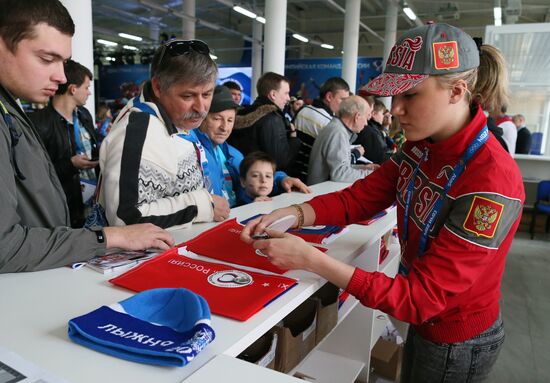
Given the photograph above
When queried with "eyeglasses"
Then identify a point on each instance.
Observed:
(182, 47)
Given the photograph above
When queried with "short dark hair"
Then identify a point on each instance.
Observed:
(333, 85)
(268, 82)
(251, 159)
(76, 74)
(19, 17)
(193, 67)
(232, 85)
(378, 106)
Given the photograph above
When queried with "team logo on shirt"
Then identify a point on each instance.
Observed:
(483, 217)
(230, 279)
(446, 55)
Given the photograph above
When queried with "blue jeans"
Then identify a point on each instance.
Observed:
(468, 361)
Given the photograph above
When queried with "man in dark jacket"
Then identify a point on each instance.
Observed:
(372, 137)
(523, 143)
(67, 130)
(262, 126)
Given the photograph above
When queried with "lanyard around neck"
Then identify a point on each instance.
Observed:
(474, 146)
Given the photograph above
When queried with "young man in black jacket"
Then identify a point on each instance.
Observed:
(67, 129)
(263, 127)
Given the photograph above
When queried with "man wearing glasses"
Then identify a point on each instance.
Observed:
(152, 165)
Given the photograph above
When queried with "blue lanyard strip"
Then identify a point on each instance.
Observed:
(474, 146)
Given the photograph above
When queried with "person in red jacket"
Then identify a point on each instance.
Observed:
(459, 200)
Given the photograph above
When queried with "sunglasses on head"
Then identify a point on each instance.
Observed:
(182, 47)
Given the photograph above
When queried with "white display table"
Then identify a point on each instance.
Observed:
(35, 309)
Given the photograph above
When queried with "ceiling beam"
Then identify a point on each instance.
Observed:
(336, 6)
(207, 24)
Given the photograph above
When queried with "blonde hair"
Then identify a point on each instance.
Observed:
(487, 84)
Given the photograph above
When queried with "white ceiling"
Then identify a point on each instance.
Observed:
(319, 20)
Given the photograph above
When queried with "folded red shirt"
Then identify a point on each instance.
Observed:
(230, 292)
(223, 242)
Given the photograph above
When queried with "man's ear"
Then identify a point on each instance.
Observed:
(243, 181)
(458, 91)
(71, 89)
(155, 85)
(329, 97)
(271, 94)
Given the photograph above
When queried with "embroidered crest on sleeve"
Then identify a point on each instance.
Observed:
(483, 217)
(446, 55)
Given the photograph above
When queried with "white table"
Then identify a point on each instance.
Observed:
(533, 170)
(35, 307)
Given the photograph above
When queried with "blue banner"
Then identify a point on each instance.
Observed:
(121, 81)
(307, 75)
(240, 75)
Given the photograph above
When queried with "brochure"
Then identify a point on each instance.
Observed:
(119, 261)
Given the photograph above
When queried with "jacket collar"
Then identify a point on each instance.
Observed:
(455, 145)
(148, 96)
(351, 133)
(318, 103)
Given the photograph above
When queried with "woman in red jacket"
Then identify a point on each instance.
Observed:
(459, 200)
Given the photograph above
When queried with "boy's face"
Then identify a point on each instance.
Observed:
(39, 58)
(259, 179)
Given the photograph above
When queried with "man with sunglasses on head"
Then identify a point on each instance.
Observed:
(35, 40)
(152, 162)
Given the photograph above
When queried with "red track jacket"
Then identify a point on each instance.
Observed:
(451, 292)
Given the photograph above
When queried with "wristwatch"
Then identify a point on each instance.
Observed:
(100, 234)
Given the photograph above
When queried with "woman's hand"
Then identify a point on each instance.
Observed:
(287, 251)
(257, 226)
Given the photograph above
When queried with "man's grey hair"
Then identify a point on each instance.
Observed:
(351, 105)
(193, 68)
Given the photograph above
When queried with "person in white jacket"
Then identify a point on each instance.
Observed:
(151, 160)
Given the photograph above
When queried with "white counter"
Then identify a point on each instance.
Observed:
(35, 308)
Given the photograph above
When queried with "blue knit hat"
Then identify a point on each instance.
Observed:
(168, 327)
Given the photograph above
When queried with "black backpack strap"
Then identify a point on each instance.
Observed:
(15, 135)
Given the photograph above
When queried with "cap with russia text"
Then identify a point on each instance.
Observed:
(166, 326)
(432, 49)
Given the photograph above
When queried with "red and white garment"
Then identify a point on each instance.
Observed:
(230, 292)
(223, 242)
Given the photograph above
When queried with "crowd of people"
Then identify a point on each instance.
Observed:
(184, 151)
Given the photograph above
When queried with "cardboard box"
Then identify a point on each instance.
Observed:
(326, 299)
(386, 358)
(262, 351)
(296, 336)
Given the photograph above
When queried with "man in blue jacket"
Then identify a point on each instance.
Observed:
(223, 160)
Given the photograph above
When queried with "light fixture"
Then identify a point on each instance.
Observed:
(300, 37)
(213, 57)
(260, 19)
(409, 12)
(327, 46)
(130, 47)
(130, 37)
(244, 11)
(108, 58)
(107, 42)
